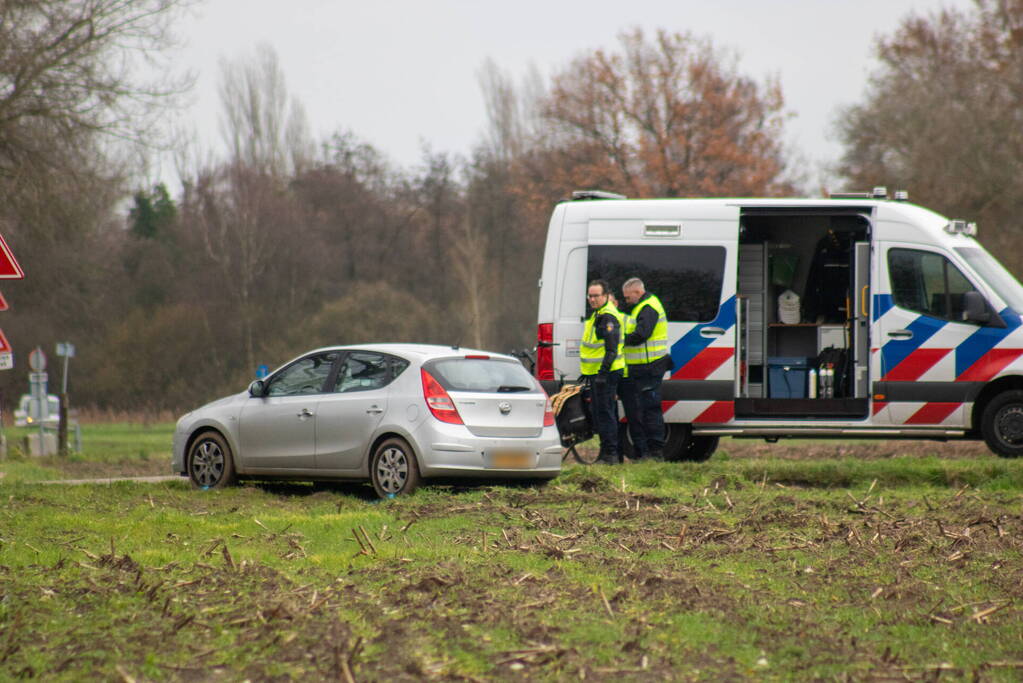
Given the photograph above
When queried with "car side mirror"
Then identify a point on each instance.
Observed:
(976, 310)
(257, 389)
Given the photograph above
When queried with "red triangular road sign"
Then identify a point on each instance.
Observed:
(3, 303)
(9, 268)
(5, 346)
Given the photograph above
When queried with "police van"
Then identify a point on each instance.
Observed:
(855, 316)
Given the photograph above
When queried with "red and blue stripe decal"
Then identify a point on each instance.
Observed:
(693, 355)
(976, 358)
(695, 358)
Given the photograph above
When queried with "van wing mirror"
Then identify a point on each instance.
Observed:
(257, 389)
(977, 310)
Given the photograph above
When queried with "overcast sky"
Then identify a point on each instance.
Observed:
(403, 73)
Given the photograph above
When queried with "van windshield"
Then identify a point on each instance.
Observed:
(995, 275)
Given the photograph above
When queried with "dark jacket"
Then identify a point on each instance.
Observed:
(606, 327)
(644, 323)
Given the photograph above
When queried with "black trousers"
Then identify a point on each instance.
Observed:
(604, 409)
(641, 397)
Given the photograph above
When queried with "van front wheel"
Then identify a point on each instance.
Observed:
(1002, 424)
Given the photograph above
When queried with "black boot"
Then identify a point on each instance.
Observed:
(608, 457)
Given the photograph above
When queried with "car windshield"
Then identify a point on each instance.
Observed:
(995, 275)
(487, 375)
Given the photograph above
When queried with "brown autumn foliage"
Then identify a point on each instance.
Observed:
(942, 119)
(668, 116)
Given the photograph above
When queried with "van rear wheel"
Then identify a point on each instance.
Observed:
(681, 445)
(1002, 424)
(676, 438)
(700, 448)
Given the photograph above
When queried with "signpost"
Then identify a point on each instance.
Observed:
(6, 353)
(67, 351)
(40, 406)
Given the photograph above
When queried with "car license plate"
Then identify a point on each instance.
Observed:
(511, 459)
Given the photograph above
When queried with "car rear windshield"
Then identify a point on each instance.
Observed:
(487, 375)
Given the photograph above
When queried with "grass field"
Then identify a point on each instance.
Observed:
(791, 561)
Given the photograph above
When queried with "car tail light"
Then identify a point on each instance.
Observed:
(545, 351)
(438, 401)
(548, 409)
(477, 357)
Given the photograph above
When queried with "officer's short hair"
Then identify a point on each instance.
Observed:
(605, 287)
(633, 283)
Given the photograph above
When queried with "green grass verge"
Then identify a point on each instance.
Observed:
(106, 450)
(769, 568)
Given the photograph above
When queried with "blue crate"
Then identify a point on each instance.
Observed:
(787, 377)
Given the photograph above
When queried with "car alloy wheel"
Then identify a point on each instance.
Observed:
(209, 462)
(393, 469)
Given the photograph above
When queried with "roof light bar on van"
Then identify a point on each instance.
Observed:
(901, 196)
(880, 192)
(961, 227)
(595, 194)
(849, 195)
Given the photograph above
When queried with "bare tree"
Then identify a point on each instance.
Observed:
(943, 118)
(69, 70)
(514, 116)
(263, 127)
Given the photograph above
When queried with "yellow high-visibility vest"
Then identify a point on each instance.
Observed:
(591, 350)
(657, 345)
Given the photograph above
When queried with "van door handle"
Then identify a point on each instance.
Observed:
(373, 410)
(712, 332)
(304, 414)
(901, 334)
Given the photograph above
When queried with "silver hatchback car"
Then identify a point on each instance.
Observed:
(393, 414)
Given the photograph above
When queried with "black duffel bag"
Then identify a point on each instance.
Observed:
(572, 414)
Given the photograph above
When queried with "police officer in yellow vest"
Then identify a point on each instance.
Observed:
(602, 364)
(647, 358)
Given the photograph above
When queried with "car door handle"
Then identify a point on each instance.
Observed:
(373, 410)
(711, 332)
(304, 414)
(901, 334)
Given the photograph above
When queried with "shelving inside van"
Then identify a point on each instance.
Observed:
(803, 316)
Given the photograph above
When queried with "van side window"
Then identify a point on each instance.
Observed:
(928, 283)
(687, 279)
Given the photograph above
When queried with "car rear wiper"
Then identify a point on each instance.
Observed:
(504, 388)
